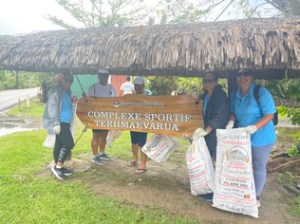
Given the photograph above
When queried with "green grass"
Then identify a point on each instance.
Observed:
(121, 147)
(36, 109)
(25, 197)
(295, 206)
(28, 198)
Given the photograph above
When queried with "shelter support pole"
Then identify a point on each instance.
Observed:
(83, 93)
(232, 84)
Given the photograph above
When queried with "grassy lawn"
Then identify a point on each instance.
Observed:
(36, 109)
(25, 197)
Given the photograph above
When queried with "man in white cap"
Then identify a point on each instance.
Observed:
(100, 89)
(138, 139)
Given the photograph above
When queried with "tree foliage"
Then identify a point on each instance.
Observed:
(187, 11)
(285, 88)
(160, 85)
(100, 13)
(20, 80)
(287, 7)
(106, 13)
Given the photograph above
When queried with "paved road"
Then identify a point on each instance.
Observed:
(10, 98)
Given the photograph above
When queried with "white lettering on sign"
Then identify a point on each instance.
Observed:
(114, 115)
(138, 116)
(170, 115)
(136, 125)
(144, 104)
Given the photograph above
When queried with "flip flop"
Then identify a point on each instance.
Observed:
(140, 171)
(297, 185)
(132, 163)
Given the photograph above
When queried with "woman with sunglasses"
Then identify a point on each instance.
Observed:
(57, 118)
(256, 118)
(215, 114)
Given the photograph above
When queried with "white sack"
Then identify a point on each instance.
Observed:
(112, 136)
(234, 182)
(49, 141)
(73, 121)
(159, 147)
(200, 167)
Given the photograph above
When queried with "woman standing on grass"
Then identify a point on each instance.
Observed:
(57, 118)
(256, 118)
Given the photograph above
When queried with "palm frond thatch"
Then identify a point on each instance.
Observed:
(269, 46)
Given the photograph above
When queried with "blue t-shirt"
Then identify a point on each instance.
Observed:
(66, 108)
(249, 112)
(205, 102)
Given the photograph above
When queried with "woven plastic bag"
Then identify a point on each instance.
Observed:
(49, 141)
(200, 166)
(112, 136)
(159, 147)
(234, 182)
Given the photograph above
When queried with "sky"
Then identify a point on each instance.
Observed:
(26, 16)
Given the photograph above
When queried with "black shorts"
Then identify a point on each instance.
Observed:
(139, 138)
(98, 131)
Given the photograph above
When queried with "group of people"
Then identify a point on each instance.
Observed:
(58, 116)
(239, 109)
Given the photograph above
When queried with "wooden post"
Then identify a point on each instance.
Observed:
(232, 84)
(17, 80)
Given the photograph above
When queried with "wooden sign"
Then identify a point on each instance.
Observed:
(169, 115)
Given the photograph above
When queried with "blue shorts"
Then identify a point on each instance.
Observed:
(139, 138)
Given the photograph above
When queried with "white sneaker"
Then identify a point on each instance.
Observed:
(103, 156)
(257, 203)
(97, 161)
(58, 173)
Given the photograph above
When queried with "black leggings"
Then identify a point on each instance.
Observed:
(63, 143)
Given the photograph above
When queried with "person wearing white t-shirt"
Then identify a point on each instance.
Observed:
(100, 89)
(127, 87)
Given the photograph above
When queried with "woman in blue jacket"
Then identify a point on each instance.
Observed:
(256, 118)
(215, 111)
(215, 114)
(57, 119)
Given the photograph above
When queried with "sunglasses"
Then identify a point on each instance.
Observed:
(209, 81)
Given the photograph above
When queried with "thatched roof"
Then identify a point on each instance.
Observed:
(270, 46)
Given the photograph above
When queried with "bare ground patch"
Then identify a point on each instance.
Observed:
(166, 186)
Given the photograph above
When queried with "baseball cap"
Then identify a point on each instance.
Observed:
(245, 71)
(103, 72)
(65, 76)
(139, 81)
(180, 91)
(210, 76)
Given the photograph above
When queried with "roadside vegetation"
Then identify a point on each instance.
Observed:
(34, 109)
